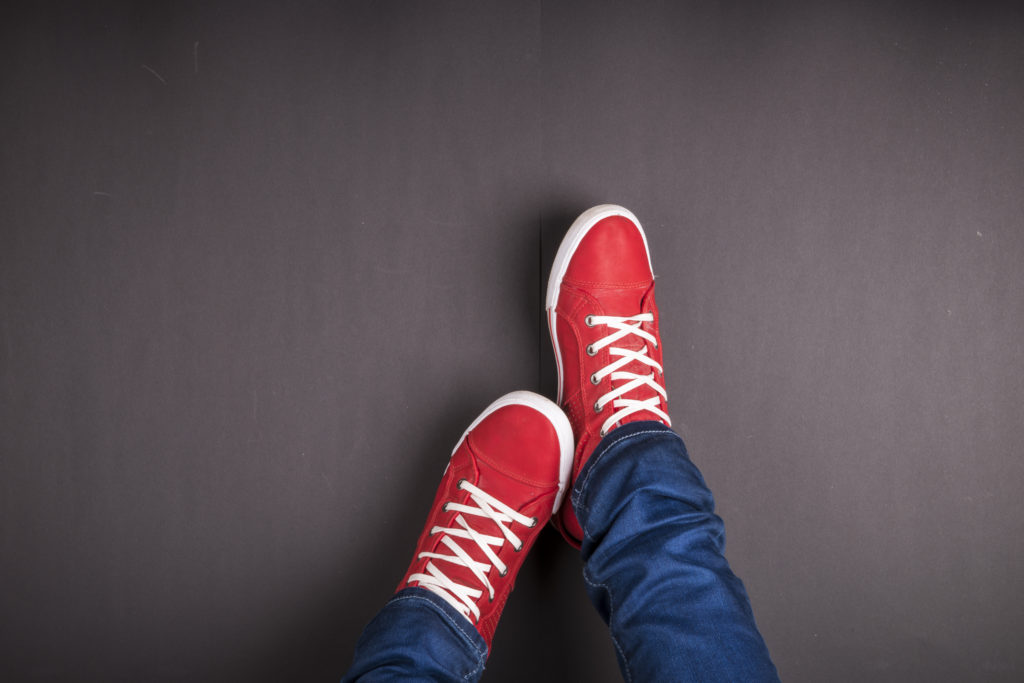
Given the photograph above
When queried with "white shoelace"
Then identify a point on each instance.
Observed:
(463, 598)
(623, 327)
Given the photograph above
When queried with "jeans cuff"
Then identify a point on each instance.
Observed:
(460, 626)
(616, 438)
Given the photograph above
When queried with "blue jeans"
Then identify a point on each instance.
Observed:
(653, 567)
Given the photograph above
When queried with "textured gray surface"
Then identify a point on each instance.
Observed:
(260, 266)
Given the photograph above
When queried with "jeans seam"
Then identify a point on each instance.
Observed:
(448, 618)
(611, 633)
(578, 489)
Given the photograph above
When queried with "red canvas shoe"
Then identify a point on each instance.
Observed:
(604, 330)
(506, 477)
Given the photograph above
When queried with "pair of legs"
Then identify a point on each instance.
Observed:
(637, 508)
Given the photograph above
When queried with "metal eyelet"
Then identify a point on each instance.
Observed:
(504, 573)
(589, 321)
(598, 407)
(445, 507)
(594, 380)
(591, 351)
(603, 433)
(460, 483)
(533, 522)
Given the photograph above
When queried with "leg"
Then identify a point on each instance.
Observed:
(641, 514)
(418, 636)
(653, 563)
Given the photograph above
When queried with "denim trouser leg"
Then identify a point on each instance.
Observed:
(654, 567)
(418, 637)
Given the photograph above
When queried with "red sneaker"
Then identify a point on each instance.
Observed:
(604, 329)
(505, 478)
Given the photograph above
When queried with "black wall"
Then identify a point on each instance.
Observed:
(261, 263)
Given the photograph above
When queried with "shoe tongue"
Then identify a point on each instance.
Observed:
(626, 304)
(457, 572)
(637, 302)
(504, 488)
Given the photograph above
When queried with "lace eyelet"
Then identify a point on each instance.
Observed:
(461, 482)
(533, 522)
(594, 380)
(445, 507)
(589, 321)
(591, 351)
(598, 407)
(504, 573)
(603, 433)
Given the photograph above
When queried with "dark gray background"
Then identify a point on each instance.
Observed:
(260, 265)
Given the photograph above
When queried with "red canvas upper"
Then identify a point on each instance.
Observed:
(608, 275)
(513, 455)
(612, 255)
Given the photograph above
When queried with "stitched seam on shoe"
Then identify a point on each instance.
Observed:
(448, 618)
(636, 284)
(522, 480)
(611, 613)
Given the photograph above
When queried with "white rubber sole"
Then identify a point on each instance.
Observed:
(580, 227)
(554, 415)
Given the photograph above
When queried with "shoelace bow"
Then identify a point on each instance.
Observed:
(623, 327)
(463, 598)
